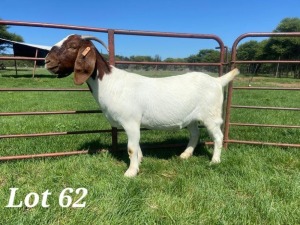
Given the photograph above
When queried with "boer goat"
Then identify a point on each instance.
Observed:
(132, 101)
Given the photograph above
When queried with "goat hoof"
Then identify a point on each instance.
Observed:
(215, 161)
(186, 155)
(131, 172)
(140, 160)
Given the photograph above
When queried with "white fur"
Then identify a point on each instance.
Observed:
(132, 101)
(59, 44)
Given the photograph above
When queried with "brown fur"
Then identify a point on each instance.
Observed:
(69, 58)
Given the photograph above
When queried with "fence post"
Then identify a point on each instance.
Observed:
(111, 49)
(227, 115)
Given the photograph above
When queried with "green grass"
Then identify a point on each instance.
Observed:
(252, 185)
(289, 99)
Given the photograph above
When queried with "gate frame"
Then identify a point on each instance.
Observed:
(111, 46)
(229, 105)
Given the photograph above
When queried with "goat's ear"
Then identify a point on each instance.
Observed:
(84, 64)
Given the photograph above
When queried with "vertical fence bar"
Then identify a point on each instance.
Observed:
(112, 61)
(223, 51)
(228, 105)
(111, 46)
(34, 65)
(227, 116)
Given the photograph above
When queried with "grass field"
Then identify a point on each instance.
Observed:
(252, 185)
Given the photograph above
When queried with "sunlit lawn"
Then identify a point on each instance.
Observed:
(252, 185)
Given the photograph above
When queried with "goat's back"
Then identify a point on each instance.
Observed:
(174, 102)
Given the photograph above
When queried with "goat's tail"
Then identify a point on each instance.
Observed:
(225, 79)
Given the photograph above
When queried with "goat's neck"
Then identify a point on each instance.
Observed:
(103, 89)
(102, 67)
(99, 76)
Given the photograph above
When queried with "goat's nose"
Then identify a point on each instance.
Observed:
(47, 63)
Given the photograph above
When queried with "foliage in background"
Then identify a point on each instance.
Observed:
(274, 48)
(5, 34)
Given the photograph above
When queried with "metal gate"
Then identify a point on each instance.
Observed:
(232, 89)
(111, 45)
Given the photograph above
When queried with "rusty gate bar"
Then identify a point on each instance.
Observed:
(53, 134)
(267, 88)
(51, 25)
(263, 125)
(263, 143)
(54, 154)
(112, 61)
(44, 89)
(229, 105)
(21, 58)
(169, 63)
(121, 62)
(115, 31)
(111, 33)
(269, 61)
(263, 107)
(48, 113)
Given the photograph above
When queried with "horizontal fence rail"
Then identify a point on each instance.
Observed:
(111, 36)
(49, 113)
(43, 89)
(267, 88)
(229, 104)
(264, 107)
(263, 125)
(169, 63)
(53, 133)
(263, 143)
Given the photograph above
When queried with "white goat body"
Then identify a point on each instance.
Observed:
(133, 101)
(159, 103)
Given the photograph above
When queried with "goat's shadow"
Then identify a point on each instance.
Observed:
(160, 150)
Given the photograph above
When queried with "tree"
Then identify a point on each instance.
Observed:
(141, 58)
(287, 48)
(9, 36)
(288, 25)
(206, 56)
(174, 67)
(274, 48)
(251, 50)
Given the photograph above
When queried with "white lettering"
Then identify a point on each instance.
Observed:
(12, 199)
(65, 198)
(35, 200)
(45, 198)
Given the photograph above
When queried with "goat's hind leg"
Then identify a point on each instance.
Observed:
(194, 138)
(140, 155)
(214, 129)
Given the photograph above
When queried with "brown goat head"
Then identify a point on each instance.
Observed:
(78, 55)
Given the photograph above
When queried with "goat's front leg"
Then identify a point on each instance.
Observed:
(134, 150)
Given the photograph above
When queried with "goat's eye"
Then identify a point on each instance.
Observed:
(72, 46)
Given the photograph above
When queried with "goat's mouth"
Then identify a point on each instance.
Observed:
(55, 69)
(63, 75)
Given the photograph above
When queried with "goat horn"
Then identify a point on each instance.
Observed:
(95, 39)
